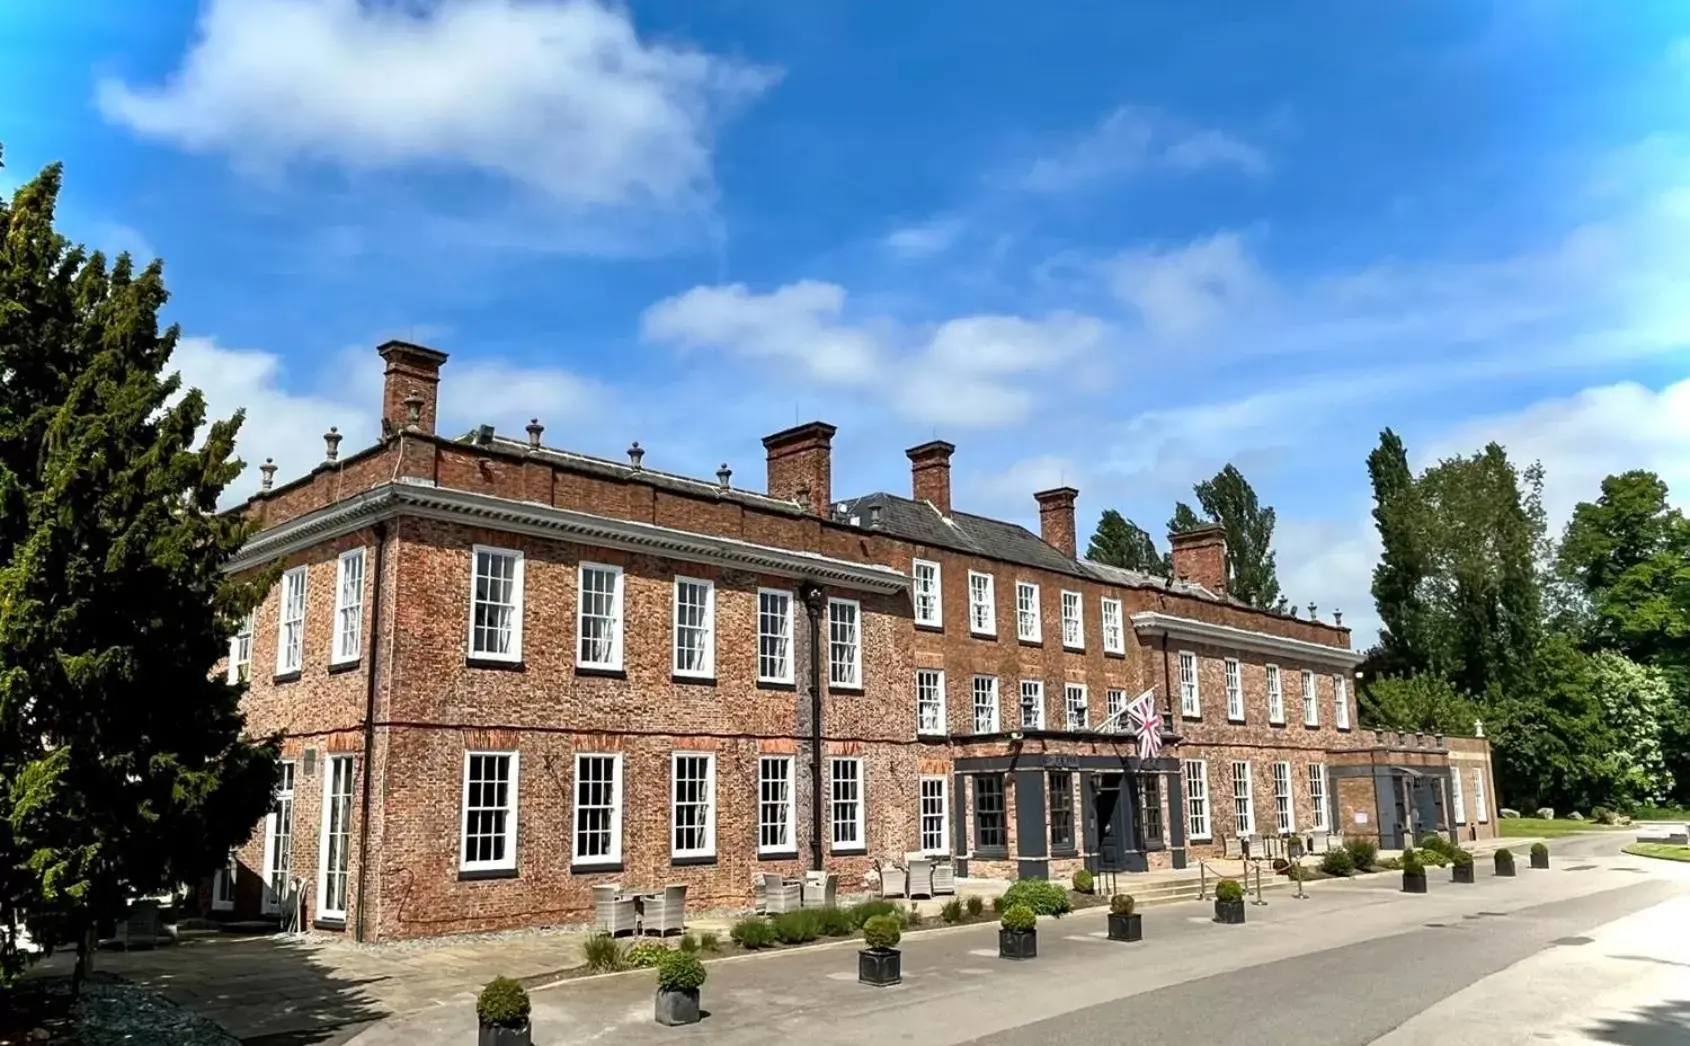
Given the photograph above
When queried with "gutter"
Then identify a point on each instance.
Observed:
(369, 730)
(813, 603)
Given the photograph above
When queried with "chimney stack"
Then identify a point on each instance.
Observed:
(930, 473)
(1200, 555)
(1056, 518)
(801, 466)
(413, 372)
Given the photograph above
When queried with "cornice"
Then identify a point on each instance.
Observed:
(1154, 622)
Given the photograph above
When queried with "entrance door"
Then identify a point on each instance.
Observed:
(278, 845)
(1106, 804)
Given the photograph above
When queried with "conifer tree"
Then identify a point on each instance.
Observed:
(1120, 542)
(1228, 499)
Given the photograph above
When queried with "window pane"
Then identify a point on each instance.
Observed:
(989, 830)
(933, 814)
(1061, 810)
(774, 636)
(842, 643)
(845, 777)
(774, 803)
(600, 617)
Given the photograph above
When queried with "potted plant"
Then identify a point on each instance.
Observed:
(880, 964)
(1018, 935)
(1124, 923)
(1540, 855)
(502, 1009)
(1229, 902)
(679, 976)
(1461, 867)
(1413, 872)
(1505, 862)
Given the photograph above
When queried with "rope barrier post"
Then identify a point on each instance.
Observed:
(1298, 865)
(1202, 880)
(1258, 865)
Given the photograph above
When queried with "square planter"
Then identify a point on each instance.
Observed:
(1018, 944)
(500, 1035)
(1126, 927)
(1230, 912)
(1412, 883)
(678, 1007)
(1505, 868)
(1540, 862)
(880, 966)
(1458, 874)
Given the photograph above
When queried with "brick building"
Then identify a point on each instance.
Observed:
(504, 673)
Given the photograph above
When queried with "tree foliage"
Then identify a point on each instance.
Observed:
(123, 767)
(1120, 542)
(1228, 499)
(1421, 703)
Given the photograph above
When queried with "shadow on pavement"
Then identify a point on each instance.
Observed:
(1658, 1024)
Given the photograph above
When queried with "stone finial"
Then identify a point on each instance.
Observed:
(636, 454)
(1478, 728)
(535, 429)
(331, 444)
(1338, 618)
(724, 477)
(413, 410)
(1293, 611)
(268, 470)
(874, 517)
(1314, 612)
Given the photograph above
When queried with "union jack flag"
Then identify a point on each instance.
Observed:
(1147, 724)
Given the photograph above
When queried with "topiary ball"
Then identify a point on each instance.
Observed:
(1229, 890)
(882, 932)
(1121, 904)
(680, 971)
(1019, 918)
(503, 1002)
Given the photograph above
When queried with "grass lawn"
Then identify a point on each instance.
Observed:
(1664, 851)
(1530, 827)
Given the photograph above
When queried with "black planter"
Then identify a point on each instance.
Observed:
(501, 1035)
(1229, 912)
(1126, 927)
(880, 966)
(1505, 867)
(1540, 862)
(1412, 883)
(677, 1007)
(1461, 874)
(1018, 944)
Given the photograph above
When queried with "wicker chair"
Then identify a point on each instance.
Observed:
(612, 913)
(781, 895)
(921, 877)
(666, 913)
(819, 889)
(944, 876)
(894, 881)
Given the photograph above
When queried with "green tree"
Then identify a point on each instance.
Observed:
(1419, 703)
(1402, 567)
(123, 763)
(1635, 701)
(1120, 542)
(1228, 499)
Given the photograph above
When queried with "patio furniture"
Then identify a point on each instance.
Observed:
(944, 876)
(759, 895)
(613, 913)
(665, 912)
(782, 895)
(820, 889)
(894, 881)
(921, 877)
(140, 926)
(1232, 846)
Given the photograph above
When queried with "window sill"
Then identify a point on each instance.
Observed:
(919, 627)
(346, 666)
(601, 672)
(1024, 641)
(991, 854)
(286, 677)
(686, 680)
(597, 868)
(475, 874)
(777, 855)
(1235, 719)
(847, 851)
(936, 735)
(692, 861)
(983, 635)
(1311, 726)
(1073, 649)
(496, 664)
(775, 684)
(1121, 654)
(845, 688)
(1064, 852)
(329, 922)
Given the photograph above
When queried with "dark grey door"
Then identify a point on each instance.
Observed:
(1106, 808)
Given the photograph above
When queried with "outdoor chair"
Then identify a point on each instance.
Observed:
(1232, 846)
(944, 876)
(666, 913)
(612, 913)
(820, 889)
(781, 895)
(921, 877)
(894, 881)
(759, 895)
(140, 927)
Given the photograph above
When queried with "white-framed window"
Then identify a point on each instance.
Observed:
(278, 844)
(982, 604)
(1317, 795)
(1197, 799)
(929, 701)
(597, 827)
(487, 839)
(1114, 702)
(1033, 704)
(1073, 621)
(1456, 799)
(695, 627)
(774, 635)
(845, 793)
(985, 704)
(1341, 701)
(1311, 708)
(1276, 697)
(240, 649)
(348, 607)
(929, 594)
(1479, 808)
(1284, 814)
(223, 884)
(1114, 635)
(692, 804)
(334, 846)
(290, 625)
(1234, 690)
(776, 805)
(1074, 700)
(495, 604)
(1243, 798)
(599, 628)
(1027, 624)
(844, 643)
(935, 816)
(1189, 704)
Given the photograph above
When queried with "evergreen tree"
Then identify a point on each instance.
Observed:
(123, 766)
(1421, 703)
(1120, 542)
(1401, 569)
(1228, 499)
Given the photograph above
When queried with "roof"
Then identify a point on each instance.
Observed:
(1139, 579)
(920, 522)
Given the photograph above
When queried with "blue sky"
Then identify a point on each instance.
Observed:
(1115, 247)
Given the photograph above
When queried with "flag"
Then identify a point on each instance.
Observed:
(1148, 724)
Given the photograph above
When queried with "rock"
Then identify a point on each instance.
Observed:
(1546, 813)
(1506, 813)
(1574, 815)
(39, 1034)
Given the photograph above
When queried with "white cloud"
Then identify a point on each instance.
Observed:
(561, 97)
(924, 240)
(1136, 138)
(1184, 290)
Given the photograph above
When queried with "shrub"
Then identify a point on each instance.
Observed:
(1363, 852)
(1018, 918)
(1083, 881)
(1462, 859)
(882, 932)
(1432, 842)
(952, 911)
(1540, 850)
(1337, 862)
(688, 943)
(1505, 855)
(503, 1002)
(835, 922)
(862, 913)
(1437, 857)
(1229, 890)
(602, 952)
(1603, 815)
(799, 927)
(1388, 864)
(975, 904)
(710, 940)
(1121, 904)
(912, 915)
(680, 971)
(644, 955)
(998, 904)
(1412, 863)
(752, 934)
(1297, 873)
(1041, 895)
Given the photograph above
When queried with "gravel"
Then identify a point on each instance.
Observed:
(115, 1013)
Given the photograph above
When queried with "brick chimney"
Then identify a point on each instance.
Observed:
(412, 370)
(1056, 518)
(1200, 555)
(930, 473)
(801, 465)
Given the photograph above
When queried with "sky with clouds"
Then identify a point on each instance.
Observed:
(1117, 248)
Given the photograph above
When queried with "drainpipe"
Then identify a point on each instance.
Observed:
(813, 603)
(369, 730)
